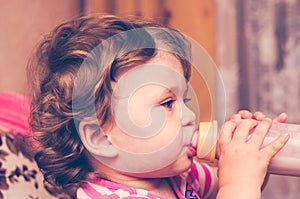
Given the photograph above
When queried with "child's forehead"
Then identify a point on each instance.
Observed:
(150, 74)
(163, 59)
(167, 59)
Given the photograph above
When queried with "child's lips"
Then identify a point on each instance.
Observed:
(193, 146)
(191, 151)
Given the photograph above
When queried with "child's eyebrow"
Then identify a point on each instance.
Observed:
(174, 90)
(168, 90)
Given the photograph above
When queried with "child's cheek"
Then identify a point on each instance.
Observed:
(139, 113)
(150, 139)
(146, 155)
(138, 154)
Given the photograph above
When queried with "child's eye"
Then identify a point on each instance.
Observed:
(168, 104)
(186, 100)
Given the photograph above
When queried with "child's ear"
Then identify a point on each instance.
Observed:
(94, 140)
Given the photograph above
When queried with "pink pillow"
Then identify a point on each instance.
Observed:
(14, 113)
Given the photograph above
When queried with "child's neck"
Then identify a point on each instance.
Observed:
(157, 186)
(164, 190)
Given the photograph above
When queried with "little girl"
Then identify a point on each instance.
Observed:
(109, 113)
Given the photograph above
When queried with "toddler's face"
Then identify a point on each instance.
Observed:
(153, 127)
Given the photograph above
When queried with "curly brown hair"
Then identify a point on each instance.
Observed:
(52, 75)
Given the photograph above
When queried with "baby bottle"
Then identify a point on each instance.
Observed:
(286, 162)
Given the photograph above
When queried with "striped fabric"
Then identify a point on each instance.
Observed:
(196, 183)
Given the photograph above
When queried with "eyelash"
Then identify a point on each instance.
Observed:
(186, 100)
(168, 104)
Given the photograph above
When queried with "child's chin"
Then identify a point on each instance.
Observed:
(176, 168)
(183, 164)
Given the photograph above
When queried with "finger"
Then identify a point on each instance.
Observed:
(235, 116)
(226, 133)
(281, 118)
(258, 135)
(245, 114)
(274, 147)
(243, 130)
(259, 116)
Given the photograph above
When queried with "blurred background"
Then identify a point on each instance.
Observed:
(255, 44)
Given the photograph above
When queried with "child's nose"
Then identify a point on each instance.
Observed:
(188, 116)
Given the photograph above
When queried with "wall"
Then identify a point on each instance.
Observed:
(258, 55)
(22, 25)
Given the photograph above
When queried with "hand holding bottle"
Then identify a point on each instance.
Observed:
(243, 161)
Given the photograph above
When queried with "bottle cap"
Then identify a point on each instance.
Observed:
(207, 139)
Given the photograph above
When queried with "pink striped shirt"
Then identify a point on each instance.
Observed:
(196, 183)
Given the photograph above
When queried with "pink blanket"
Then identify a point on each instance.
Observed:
(14, 113)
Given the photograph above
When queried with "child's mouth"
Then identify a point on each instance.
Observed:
(191, 151)
(193, 146)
